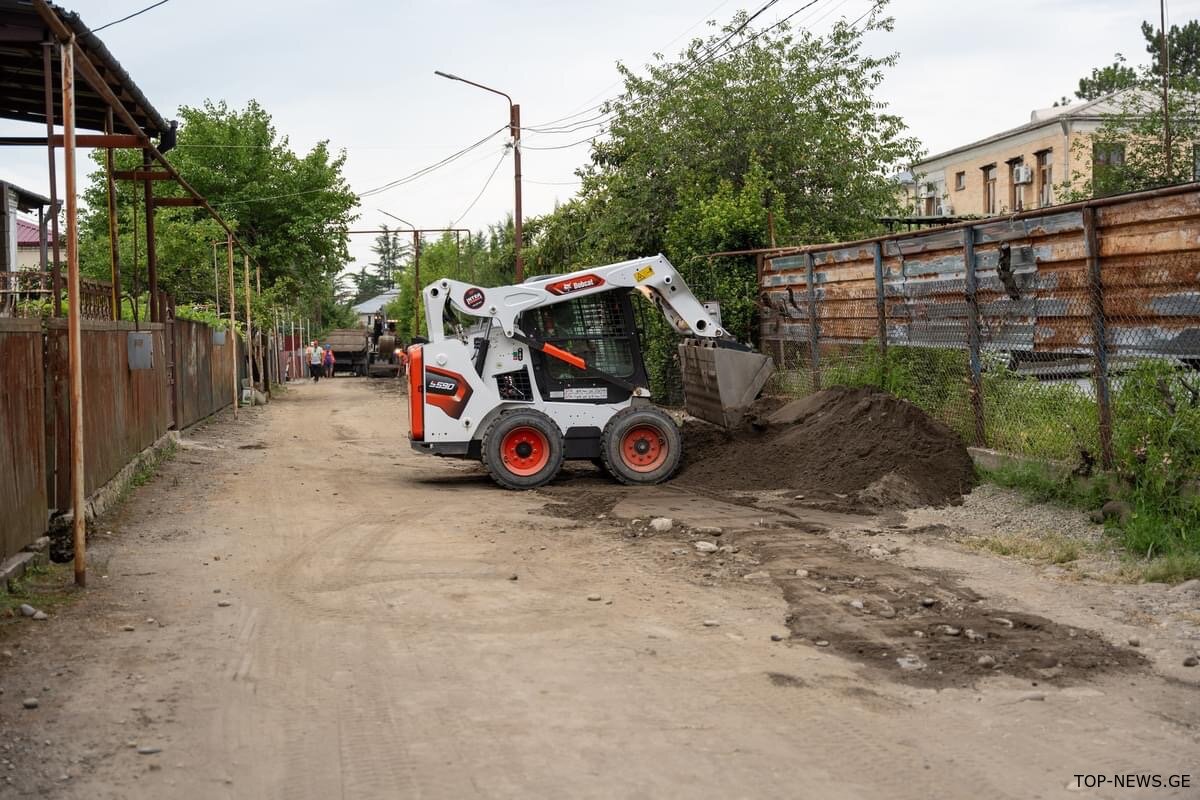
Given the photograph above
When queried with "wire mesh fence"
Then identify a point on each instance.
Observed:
(1070, 334)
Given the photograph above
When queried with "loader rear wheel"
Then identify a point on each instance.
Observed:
(641, 445)
(522, 449)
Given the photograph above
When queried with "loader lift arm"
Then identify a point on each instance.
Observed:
(655, 278)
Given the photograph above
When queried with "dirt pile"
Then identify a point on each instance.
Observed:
(853, 443)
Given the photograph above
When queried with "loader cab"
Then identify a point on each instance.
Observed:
(600, 329)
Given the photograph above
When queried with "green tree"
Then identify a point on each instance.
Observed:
(701, 149)
(1106, 80)
(291, 210)
(1183, 45)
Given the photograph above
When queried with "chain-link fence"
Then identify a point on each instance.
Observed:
(1069, 334)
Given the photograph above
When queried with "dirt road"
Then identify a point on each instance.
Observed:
(316, 612)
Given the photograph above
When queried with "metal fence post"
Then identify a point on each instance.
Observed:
(973, 336)
(881, 313)
(1091, 245)
(814, 329)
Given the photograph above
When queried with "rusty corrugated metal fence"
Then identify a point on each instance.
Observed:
(22, 435)
(127, 404)
(1016, 331)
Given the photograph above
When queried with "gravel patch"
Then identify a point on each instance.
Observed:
(992, 510)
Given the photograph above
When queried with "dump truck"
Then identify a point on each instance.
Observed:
(385, 350)
(351, 350)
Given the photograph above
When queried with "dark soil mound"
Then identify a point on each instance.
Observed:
(862, 442)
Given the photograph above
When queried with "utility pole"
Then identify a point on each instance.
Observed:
(232, 340)
(514, 129)
(1166, 79)
(416, 282)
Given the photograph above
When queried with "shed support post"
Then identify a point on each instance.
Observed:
(114, 241)
(74, 310)
(231, 340)
(973, 336)
(151, 248)
(56, 267)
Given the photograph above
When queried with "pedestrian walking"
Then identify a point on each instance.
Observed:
(329, 362)
(314, 354)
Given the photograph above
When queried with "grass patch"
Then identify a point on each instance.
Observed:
(46, 587)
(1173, 568)
(149, 465)
(1044, 485)
(1052, 549)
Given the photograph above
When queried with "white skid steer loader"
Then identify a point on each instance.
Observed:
(551, 369)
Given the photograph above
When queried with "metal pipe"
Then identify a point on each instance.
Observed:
(1095, 202)
(74, 302)
(1091, 245)
(249, 328)
(1166, 82)
(216, 281)
(880, 309)
(232, 340)
(973, 335)
(56, 268)
(114, 241)
(151, 244)
(814, 328)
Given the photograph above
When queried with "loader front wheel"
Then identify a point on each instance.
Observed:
(641, 445)
(522, 449)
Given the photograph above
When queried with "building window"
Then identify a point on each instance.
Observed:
(1045, 178)
(1108, 154)
(1196, 162)
(989, 189)
(1016, 184)
(960, 181)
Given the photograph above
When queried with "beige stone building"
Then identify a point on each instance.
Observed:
(1014, 170)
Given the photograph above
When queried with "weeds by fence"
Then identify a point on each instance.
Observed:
(1069, 335)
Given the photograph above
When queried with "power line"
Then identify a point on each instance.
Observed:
(486, 183)
(711, 55)
(131, 16)
(564, 146)
(706, 17)
(420, 173)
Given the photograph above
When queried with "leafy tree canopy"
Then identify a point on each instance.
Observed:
(291, 210)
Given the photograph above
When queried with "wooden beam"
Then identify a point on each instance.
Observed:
(166, 202)
(142, 175)
(118, 140)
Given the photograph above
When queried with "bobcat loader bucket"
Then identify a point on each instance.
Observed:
(720, 380)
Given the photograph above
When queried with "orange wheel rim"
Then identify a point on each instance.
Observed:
(644, 448)
(525, 451)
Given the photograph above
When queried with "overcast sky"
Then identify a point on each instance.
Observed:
(360, 73)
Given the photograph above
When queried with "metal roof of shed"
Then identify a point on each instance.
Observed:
(22, 74)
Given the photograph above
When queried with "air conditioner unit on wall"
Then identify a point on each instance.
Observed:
(1022, 174)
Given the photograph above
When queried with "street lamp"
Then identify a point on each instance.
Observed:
(514, 127)
(416, 244)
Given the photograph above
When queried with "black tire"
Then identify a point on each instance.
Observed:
(648, 427)
(522, 449)
(600, 465)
